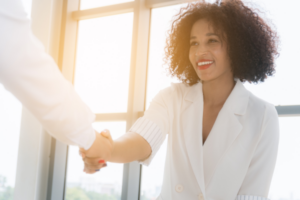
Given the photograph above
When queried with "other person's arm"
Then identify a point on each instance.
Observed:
(32, 76)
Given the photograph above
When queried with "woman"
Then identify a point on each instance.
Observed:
(222, 140)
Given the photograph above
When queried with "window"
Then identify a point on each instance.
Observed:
(10, 117)
(103, 62)
(282, 89)
(286, 179)
(102, 81)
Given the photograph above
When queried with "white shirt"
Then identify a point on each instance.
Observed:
(236, 161)
(30, 74)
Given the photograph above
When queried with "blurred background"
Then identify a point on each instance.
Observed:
(102, 74)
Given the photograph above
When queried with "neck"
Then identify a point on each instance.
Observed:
(215, 92)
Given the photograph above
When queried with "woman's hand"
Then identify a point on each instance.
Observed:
(129, 147)
(95, 157)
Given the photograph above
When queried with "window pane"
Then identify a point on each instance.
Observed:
(283, 88)
(157, 79)
(103, 62)
(87, 4)
(286, 179)
(10, 120)
(106, 184)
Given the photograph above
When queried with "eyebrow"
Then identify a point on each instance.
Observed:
(207, 34)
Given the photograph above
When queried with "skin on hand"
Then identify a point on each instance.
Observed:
(92, 165)
(129, 147)
(94, 158)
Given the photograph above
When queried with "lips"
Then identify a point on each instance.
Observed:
(204, 64)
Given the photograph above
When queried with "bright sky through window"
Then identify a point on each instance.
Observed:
(103, 62)
(283, 88)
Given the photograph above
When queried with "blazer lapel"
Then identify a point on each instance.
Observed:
(225, 130)
(191, 119)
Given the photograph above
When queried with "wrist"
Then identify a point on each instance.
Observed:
(113, 153)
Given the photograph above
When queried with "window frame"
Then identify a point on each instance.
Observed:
(58, 29)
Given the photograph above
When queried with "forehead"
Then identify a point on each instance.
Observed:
(202, 27)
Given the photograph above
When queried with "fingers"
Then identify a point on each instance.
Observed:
(101, 148)
(82, 152)
(92, 161)
(92, 170)
(92, 165)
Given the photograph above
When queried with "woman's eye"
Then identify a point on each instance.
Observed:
(193, 43)
(212, 40)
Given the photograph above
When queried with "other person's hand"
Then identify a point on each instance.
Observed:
(95, 157)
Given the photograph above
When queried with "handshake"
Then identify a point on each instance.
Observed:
(129, 147)
(101, 151)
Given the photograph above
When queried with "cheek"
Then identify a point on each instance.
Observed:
(220, 55)
(191, 56)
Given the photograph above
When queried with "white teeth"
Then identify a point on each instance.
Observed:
(204, 63)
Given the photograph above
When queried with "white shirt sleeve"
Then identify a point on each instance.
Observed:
(30, 74)
(259, 175)
(156, 122)
(151, 133)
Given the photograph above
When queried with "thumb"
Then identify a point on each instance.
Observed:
(82, 152)
(105, 133)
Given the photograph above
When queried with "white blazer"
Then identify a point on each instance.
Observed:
(238, 158)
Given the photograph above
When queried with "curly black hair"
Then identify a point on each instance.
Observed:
(252, 44)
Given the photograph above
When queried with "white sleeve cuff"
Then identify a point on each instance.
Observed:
(248, 197)
(151, 133)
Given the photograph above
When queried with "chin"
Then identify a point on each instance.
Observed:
(205, 78)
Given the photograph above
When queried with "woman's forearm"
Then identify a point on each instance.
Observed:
(130, 147)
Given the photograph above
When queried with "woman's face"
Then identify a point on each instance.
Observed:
(208, 53)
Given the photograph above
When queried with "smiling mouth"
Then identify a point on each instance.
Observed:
(204, 65)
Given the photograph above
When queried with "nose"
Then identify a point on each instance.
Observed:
(201, 50)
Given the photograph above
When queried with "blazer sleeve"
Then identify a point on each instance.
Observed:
(33, 77)
(259, 175)
(156, 122)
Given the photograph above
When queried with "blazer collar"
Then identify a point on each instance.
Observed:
(237, 100)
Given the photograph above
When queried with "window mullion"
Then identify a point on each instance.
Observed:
(137, 91)
(163, 3)
(103, 11)
(288, 111)
(66, 62)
